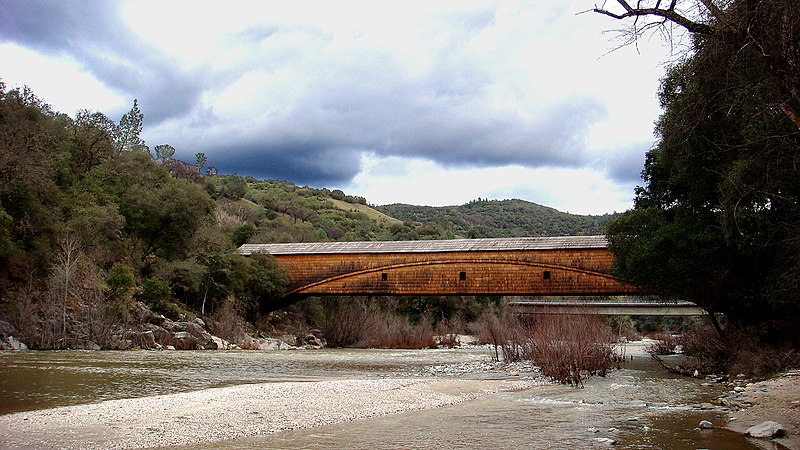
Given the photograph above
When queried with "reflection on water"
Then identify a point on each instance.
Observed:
(36, 380)
(639, 406)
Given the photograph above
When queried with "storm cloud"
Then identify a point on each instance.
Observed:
(303, 93)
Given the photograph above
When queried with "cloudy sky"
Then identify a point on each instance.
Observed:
(421, 102)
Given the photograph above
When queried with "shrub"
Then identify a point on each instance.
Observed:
(570, 348)
(158, 296)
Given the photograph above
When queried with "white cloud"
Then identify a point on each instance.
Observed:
(60, 81)
(423, 182)
(498, 98)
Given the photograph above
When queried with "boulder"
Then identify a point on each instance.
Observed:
(147, 339)
(273, 344)
(312, 341)
(6, 329)
(768, 429)
(185, 341)
(705, 425)
(12, 343)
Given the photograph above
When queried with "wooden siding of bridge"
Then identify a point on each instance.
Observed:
(515, 272)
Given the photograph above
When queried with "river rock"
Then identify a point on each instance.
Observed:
(221, 344)
(314, 342)
(768, 429)
(705, 425)
(161, 336)
(606, 441)
(12, 343)
(185, 341)
(147, 339)
(273, 344)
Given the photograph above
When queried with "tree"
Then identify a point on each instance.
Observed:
(164, 152)
(768, 28)
(130, 129)
(66, 263)
(201, 159)
(718, 217)
(94, 135)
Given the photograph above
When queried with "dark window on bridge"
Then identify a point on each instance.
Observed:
(546, 275)
(462, 276)
(384, 276)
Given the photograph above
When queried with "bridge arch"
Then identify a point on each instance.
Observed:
(464, 276)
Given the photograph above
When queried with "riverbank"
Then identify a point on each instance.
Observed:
(235, 412)
(776, 399)
(301, 399)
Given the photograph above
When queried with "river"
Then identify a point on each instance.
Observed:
(639, 406)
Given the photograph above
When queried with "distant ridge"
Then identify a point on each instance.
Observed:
(500, 218)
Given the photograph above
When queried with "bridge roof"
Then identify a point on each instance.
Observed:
(430, 246)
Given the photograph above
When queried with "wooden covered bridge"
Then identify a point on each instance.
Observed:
(535, 266)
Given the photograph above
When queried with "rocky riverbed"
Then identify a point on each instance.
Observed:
(234, 412)
(205, 399)
(776, 400)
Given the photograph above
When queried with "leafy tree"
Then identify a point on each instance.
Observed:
(201, 159)
(234, 187)
(130, 130)
(164, 152)
(120, 281)
(717, 220)
(94, 137)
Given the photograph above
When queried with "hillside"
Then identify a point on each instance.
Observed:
(302, 214)
(499, 218)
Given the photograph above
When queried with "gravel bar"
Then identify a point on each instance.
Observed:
(219, 414)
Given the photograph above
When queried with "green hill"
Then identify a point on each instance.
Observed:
(279, 211)
(499, 218)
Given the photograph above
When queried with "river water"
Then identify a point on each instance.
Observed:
(639, 406)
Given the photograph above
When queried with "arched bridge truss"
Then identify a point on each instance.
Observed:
(541, 266)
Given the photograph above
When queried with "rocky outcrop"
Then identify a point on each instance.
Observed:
(8, 341)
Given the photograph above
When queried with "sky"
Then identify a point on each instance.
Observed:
(420, 102)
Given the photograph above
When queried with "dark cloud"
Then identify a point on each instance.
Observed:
(356, 101)
(625, 164)
(92, 32)
(303, 163)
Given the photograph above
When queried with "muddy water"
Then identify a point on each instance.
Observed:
(638, 406)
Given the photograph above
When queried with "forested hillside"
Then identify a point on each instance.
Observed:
(499, 218)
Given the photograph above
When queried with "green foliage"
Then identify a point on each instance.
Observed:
(234, 187)
(130, 129)
(200, 159)
(491, 218)
(120, 281)
(164, 152)
(158, 296)
(717, 220)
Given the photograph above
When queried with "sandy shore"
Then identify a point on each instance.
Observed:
(776, 399)
(233, 412)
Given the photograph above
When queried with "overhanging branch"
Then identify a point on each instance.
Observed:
(669, 13)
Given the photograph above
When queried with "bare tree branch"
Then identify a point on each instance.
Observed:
(669, 13)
